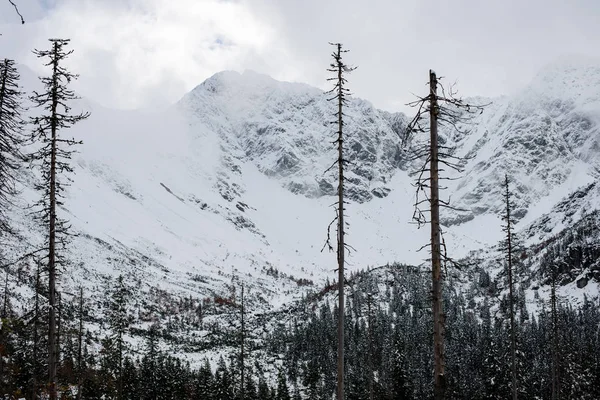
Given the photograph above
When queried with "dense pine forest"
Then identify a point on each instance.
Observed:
(388, 344)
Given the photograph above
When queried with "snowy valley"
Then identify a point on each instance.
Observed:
(229, 187)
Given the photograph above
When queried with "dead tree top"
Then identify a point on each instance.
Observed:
(454, 112)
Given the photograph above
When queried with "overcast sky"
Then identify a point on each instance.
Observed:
(146, 53)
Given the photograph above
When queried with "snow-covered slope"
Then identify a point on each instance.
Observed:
(231, 182)
(284, 129)
(546, 138)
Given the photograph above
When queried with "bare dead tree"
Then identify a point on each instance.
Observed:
(53, 157)
(436, 108)
(341, 94)
(509, 255)
(370, 338)
(242, 339)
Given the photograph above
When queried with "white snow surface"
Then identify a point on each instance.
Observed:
(231, 181)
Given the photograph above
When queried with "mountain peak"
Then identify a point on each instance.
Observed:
(252, 83)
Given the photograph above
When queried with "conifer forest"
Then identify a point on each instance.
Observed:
(266, 240)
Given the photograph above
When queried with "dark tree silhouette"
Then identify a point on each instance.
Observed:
(53, 160)
(508, 247)
(11, 137)
(444, 108)
(17, 11)
(340, 94)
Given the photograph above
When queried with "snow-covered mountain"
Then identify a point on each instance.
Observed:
(546, 138)
(231, 182)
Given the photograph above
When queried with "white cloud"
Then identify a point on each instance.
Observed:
(135, 52)
(141, 52)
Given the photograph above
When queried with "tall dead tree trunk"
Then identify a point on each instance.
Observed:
(36, 318)
(370, 334)
(242, 338)
(340, 248)
(509, 262)
(340, 92)
(455, 113)
(436, 262)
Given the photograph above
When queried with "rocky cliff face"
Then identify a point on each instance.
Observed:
(546, 138)
(285, 130)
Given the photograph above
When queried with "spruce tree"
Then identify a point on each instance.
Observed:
(205, 382)
(283, 392)
(12, 138)
(53, 159)
(119, 319)
(509, 252)
(263, 389)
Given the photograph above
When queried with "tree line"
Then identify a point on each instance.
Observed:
(387, 320)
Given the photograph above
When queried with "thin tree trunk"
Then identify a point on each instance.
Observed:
(58, 328)
(5, 306)
(120, 382)
(340, 231)
(243, 388)
(80, 344)
(513, 342)
(369, 299)
(4, 315)
(3, 85)
(34, 372)
(52, 237)
(555, 358)
(436, 265)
